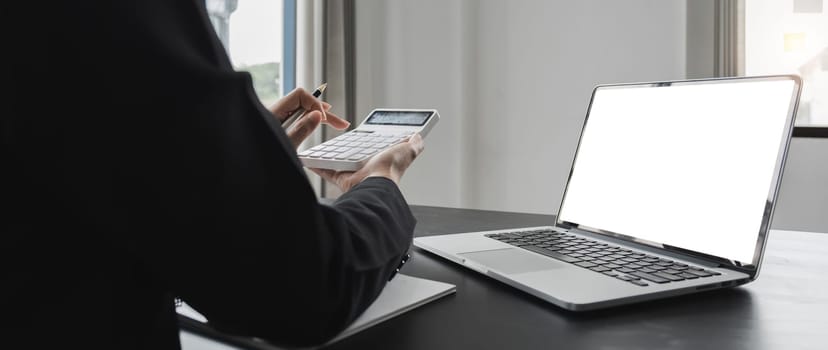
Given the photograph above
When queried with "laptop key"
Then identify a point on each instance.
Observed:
(702, 273)
(551, 254)
(638, 283)
(688, 276)
(649, 277)
(586, 264)
(668, 276)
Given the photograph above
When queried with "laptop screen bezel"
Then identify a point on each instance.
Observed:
(752, 267)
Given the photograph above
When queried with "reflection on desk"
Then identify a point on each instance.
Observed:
(786, 308)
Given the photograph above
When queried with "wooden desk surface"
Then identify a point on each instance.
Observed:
(786, 308)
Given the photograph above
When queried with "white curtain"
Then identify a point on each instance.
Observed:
(729, 40)
(324, 53)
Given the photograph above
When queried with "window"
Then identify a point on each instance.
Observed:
(254, 33)
(791, 36)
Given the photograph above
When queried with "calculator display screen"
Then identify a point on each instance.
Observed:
(409, 118)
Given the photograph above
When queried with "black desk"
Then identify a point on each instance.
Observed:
(786, 308)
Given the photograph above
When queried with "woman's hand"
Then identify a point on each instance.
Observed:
(390, 163)
(316, 112)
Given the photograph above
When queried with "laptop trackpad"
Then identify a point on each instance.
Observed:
(512, 260)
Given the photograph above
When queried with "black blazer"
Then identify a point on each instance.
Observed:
(138, 166)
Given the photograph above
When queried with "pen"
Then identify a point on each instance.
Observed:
(296, 115)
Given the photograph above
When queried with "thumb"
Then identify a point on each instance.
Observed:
(416, 143)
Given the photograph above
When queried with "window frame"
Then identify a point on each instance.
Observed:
(289, 46)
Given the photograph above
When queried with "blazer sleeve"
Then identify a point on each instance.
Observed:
(204, 190)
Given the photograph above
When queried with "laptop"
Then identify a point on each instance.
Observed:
(671, 192)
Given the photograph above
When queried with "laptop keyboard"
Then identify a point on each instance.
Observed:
(614, 261)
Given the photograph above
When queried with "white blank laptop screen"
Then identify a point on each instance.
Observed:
(687, 165)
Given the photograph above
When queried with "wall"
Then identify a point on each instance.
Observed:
(701, 54)
(803, 198)
(512, 81)
(411, 54)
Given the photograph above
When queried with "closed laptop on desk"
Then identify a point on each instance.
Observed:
(671, 191)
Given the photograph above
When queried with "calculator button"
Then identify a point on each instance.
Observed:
(329, 155)
(356, 157)
(316, 154)
(346, 155)
(368, 151)
(306, 152)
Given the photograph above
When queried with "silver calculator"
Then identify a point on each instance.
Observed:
(383, 128)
